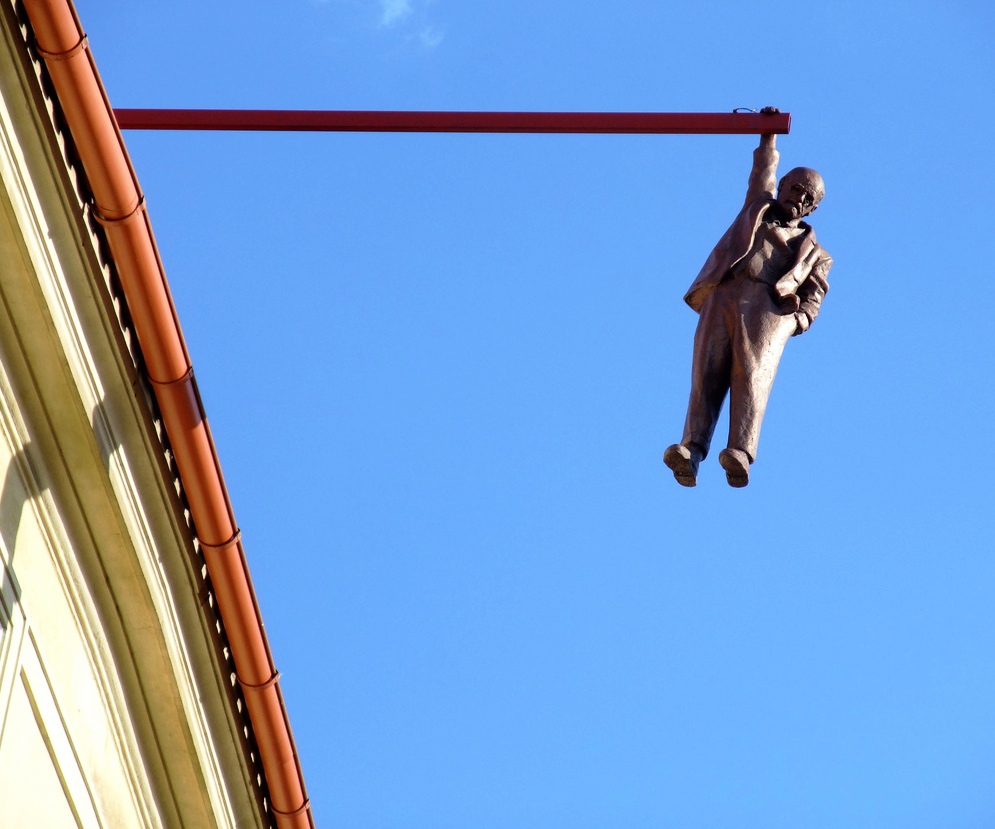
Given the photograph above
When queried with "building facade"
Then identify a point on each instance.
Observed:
(124, 700)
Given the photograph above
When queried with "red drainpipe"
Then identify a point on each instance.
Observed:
(120, 209)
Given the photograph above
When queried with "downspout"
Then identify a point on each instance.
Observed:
(119, 207)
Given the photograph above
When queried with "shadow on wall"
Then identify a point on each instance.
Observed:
(24, 466)
(13, 498)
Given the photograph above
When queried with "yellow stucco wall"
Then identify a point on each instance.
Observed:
(113, 705)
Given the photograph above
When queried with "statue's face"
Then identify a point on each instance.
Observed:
(800, 192)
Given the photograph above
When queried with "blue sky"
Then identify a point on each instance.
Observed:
(441, 372)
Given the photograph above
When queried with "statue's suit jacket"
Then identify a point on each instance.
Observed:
(805, 278)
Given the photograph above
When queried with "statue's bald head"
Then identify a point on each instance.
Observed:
(800, 191)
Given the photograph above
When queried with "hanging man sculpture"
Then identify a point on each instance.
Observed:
(763, 282)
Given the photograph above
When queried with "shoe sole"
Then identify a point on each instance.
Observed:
(736, 474)
(681, 467)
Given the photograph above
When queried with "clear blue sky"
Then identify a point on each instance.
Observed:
(441, 372)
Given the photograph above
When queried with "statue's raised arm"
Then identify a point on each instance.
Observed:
(763, 176)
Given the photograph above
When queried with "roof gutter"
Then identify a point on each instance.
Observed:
(120, 208)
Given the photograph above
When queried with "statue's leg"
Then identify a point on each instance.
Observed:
(758, 342)
(710, 369)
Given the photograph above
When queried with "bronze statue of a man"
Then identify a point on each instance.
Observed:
(763, 282)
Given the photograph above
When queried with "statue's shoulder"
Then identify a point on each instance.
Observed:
(754, 210)
(821, 252)
(817, 257)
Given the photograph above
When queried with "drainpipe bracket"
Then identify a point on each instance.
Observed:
(70, 53)
(305, 807)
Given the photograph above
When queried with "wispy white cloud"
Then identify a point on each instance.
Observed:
(394, 11)
(430, 37)
(410, 18)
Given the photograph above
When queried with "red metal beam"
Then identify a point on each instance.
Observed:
(287, 120)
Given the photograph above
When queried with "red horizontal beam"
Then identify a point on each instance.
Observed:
(289, 120)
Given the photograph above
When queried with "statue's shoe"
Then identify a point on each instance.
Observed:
(683, 462)
(736, 463)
